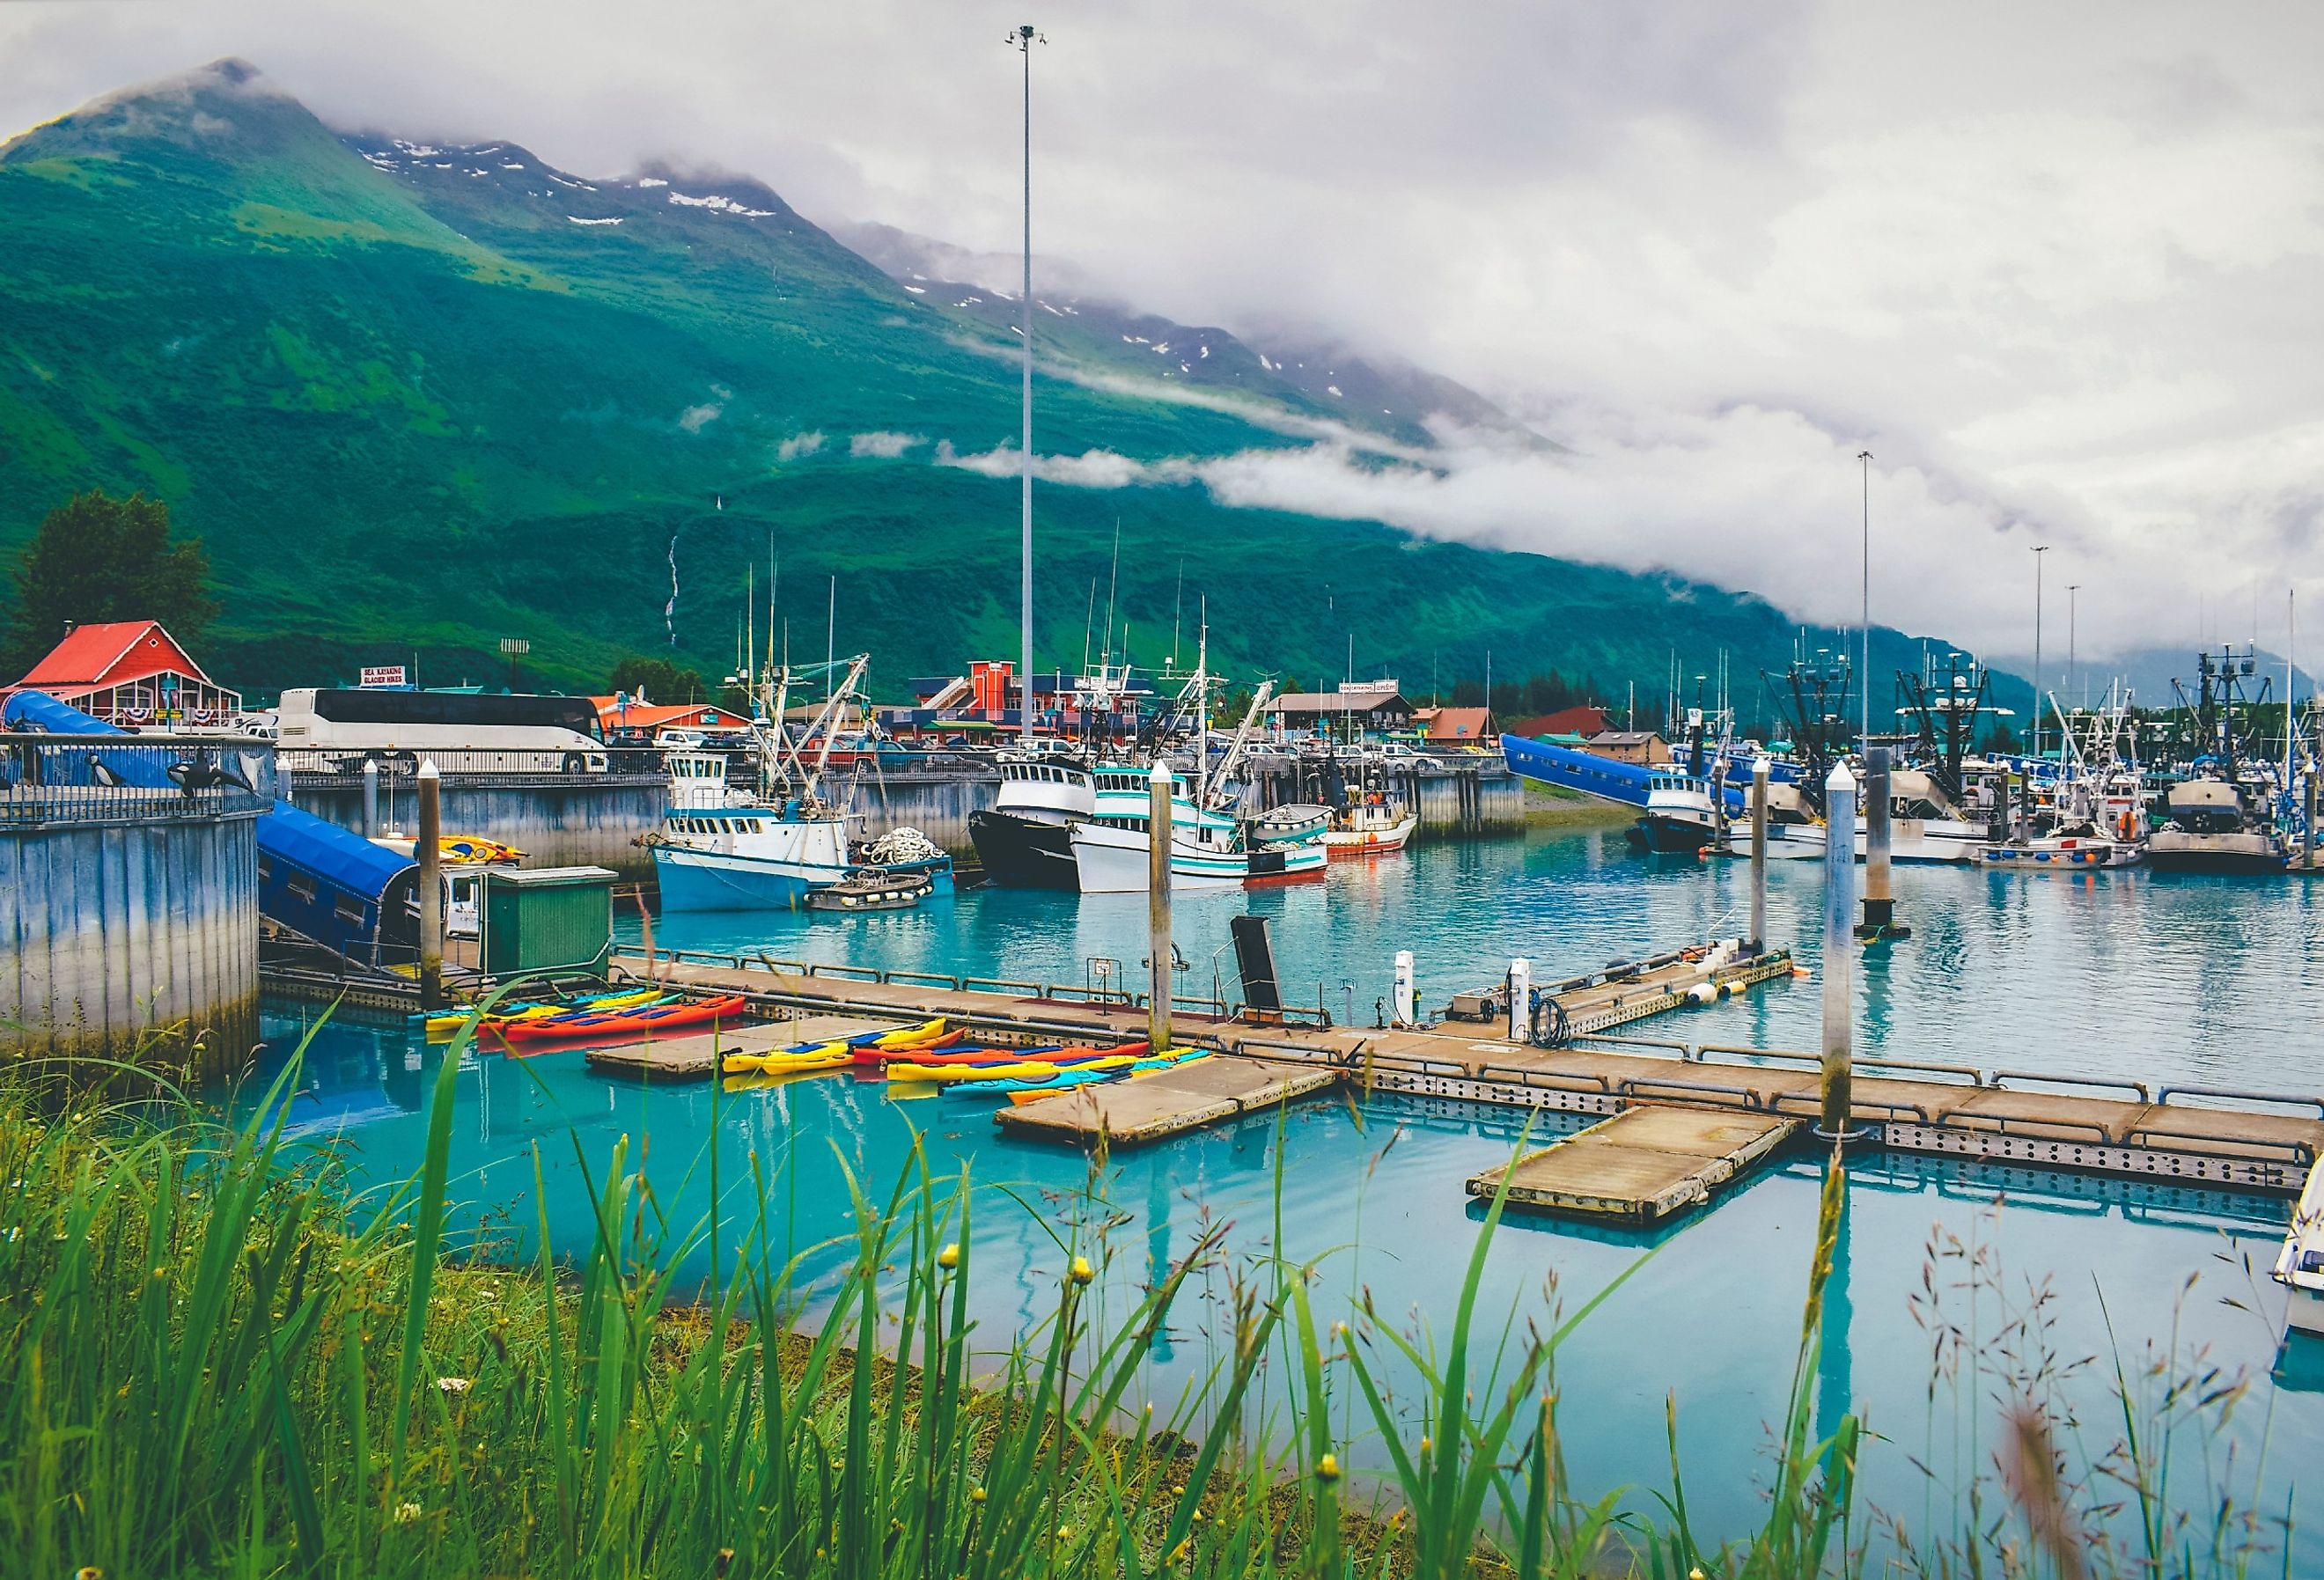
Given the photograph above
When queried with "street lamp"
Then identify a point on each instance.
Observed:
(1864, 457)
(1022, 40)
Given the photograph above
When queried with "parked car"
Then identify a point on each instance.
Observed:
(1397, 754)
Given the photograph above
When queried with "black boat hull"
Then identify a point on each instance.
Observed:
(1669, 835)
(1021, 852)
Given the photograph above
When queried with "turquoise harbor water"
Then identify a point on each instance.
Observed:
(2206, 981)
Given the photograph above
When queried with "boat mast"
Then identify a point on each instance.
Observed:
(1024, 39)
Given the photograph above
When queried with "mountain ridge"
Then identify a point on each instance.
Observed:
(472, 396)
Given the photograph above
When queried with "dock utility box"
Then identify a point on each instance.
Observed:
(546, 918)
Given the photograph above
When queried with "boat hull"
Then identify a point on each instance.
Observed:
(694, 880)
(2084, 856)
(1669, 835)
(1116, 861)
(1340, 843)
(2173, 850)
(1024, 853)
(1912, 842)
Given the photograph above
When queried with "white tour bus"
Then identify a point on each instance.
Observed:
(527, 733)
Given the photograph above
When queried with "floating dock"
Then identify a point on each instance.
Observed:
(1640, 1167)
(1167, 1102)
(2190, 1135)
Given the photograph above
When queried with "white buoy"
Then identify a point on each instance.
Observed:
(1839, 950)
(1520, 1000)
(1403, 995)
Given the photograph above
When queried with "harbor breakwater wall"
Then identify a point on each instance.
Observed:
(132, 934)
(557, 819)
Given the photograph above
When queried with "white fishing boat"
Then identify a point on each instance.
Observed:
(735, 850)
(2299, 1265)
(1371, 820)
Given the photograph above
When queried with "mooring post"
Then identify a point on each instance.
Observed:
(427, 848)
(1520, 1000)
(1760, 770)
(1879, 904)
(1838, 951)
(2308, 823)
(1718, 805)
(1403, 999)
(1158, 907)
(371, 797)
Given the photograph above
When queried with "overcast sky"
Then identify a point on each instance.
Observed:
(2056, 265)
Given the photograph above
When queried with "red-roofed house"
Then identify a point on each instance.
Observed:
(649, 717)
(1458, 726)
(131, 673)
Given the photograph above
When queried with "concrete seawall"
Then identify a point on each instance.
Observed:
(132, 938)
(557, 819)
(595, 819)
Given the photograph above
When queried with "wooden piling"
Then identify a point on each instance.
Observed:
(1158, 833)
(431, 887)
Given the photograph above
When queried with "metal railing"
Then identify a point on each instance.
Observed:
(335, 764)
(116, 779)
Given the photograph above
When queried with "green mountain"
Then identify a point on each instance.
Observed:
(417, 399)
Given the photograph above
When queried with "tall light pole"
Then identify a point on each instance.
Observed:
(2039, 550)
(1864, 457)
(1023, 39)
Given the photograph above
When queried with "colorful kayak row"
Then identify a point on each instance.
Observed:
(445, 1022)
(926, 1055)
(622, 1024)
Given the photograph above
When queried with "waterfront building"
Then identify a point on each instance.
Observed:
(134, 675)
(1458, 726)
(1370, 708)
(1640, 747)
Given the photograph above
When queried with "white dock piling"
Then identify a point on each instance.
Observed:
(1760, 770)
(428, 849)
(371, 797)
(1402, 997)
(1838, 951)
(1520, 1000)
(1157, 906)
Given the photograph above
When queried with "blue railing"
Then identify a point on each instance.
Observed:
(113, 779)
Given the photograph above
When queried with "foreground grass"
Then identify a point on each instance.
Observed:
(214, 1361)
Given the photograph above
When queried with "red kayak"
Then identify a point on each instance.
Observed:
(992, 1056)
(619, 1025)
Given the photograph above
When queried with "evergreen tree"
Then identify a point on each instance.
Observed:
(660, 681)
(97, 559)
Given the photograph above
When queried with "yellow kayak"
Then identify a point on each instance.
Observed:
(944, 1073)
(910, 1036)
(788, 1061)
(452, 1020)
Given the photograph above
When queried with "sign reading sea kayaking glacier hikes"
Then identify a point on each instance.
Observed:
(383, 675)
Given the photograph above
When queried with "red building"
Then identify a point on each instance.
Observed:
(1584, 720)
(131, 673)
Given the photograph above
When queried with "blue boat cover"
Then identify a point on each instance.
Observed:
(331, 853)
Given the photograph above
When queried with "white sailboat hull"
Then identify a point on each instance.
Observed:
(1931, 841)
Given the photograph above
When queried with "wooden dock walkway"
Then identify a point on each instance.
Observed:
(1167, 1103)
(1640, 1167)
(2188, 1135)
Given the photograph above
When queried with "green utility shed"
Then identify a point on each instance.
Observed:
(547, 919)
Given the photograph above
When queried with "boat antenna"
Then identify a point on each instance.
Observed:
(1112, 584)
(1177, 608)
(1088, 619)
